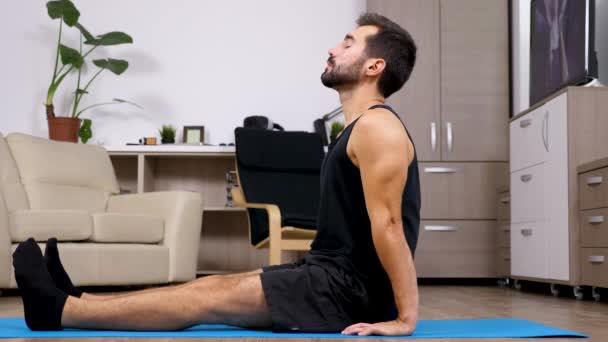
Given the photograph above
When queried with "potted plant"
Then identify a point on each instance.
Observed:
(167, 134)
(67, 128)
(336, 128)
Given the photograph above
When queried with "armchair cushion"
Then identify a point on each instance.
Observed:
(127, 228)
(65, 225)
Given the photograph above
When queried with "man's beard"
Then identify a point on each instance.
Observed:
(340, 76)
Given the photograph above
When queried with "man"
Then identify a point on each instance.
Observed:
(361, 263)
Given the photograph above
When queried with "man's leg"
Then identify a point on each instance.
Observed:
(90, 296)
(234, 300)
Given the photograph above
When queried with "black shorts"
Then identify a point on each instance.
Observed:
(314, 295)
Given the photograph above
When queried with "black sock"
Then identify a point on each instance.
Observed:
(60, 276)
(43, 302)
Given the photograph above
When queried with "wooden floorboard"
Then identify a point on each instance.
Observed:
(450, 302)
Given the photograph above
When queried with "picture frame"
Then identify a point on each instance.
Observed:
(194, 135)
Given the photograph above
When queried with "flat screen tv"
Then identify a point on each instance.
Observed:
(567, 45)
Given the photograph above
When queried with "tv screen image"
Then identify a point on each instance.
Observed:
(557, 46)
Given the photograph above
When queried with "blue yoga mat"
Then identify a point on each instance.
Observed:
(479, 328)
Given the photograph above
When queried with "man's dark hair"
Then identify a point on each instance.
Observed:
(393, 44)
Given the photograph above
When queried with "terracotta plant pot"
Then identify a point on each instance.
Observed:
(64, 129)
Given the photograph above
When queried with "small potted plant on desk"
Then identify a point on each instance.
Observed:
(167, 134)
(336, 128)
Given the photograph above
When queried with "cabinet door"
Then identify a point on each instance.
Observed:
(529, 250)
(418, 101)
(474, 80)
(465, 191)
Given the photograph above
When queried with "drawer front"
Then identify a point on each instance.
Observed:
(528, 188)
(456, 249)
(528, 139)
(528, 250)
(504, 234)
(593, 189)
(460, 191)
(594, 228)
(594, 266)
(504, 261)
(504, 206)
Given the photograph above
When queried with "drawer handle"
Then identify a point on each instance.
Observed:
(505, 199)
(525, 123)
(595, 180)
(526, 178)
(441, 169)
(506, 229)
(507, 258)
(526, 232)
(596, 259)
(441, 228)
(595, 219)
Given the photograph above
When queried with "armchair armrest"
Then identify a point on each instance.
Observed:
(182, 214)
(6, 264)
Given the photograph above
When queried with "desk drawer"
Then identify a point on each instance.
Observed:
(456, 249)
(504, 206)
(593, 189)
(594, 228)
(528, 139)
(594, 266)
(528, 189)
(504, 234)
(504, 261)
(529, 250)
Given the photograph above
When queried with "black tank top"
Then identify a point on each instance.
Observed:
(344, 228)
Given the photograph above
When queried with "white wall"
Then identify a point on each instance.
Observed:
(193, 62)
(520, 54)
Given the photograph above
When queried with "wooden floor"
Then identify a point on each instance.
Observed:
(458, 302)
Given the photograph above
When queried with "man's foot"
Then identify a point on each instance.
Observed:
(58, 273)
(42, 301)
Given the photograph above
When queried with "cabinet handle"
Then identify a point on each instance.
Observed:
(595, 180)
(545, 131)
(595, 219)
(433, 136)
(526, 232)
(506, 229)
(526, 178)
(596, 259)
(450, 137)
(505, 199)
(441, 169)
(507, 258)
(525, 123)
(441, 228)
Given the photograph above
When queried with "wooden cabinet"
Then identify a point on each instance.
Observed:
(548, 143)
(503, 234)
(456, 108)
(457, 96)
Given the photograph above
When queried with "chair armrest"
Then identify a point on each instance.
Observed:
(6, 264)
(274, 213)
(182, 213)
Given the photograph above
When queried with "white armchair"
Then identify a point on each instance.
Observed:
(69, 191)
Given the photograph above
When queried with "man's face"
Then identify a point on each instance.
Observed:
(345, 65)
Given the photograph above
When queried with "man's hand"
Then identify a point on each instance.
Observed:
(396, 327)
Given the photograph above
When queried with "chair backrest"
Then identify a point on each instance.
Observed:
(61, 175)
(281, 168)
(11, 188)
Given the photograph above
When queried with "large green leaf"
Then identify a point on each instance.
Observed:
(85, 133)
(70, 56)
(117, 66)
(111, 38)
(63, 9)
(87, 35)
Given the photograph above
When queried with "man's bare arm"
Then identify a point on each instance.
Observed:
(383, 152)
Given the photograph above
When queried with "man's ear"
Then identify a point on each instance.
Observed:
(375, 67)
